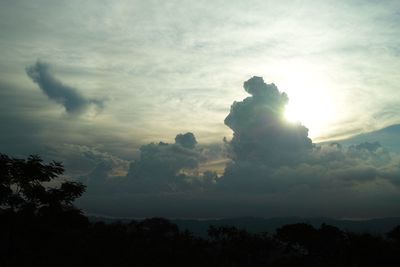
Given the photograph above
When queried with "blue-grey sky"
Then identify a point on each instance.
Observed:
(92, 83)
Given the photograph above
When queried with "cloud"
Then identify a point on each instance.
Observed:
(273, 169)
(88, 164)
(167, 167)
(270, 155)
(269, 168)
(186, 140)
(260, 133)
(201, 57)
(69, 97)
(217, 50)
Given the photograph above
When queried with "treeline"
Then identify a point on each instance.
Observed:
(71, 240)
(39, 226)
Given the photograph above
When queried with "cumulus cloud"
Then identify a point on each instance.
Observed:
(273, 169)
(105, 166)
(168, 167)
(73, 101)
(88, 164)
(262, 139)
(186, 140)
(272, 155)
(260, 133)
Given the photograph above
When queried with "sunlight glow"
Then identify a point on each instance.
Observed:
(314, 113)
(291, 115)
(311, 102)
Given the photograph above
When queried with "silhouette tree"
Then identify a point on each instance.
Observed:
(25, 186)
(395, 233)
(301, 234)
(36, 210)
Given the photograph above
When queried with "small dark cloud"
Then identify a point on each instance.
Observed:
(166, 167)
(370, 147)
(73, 102)
(186, 140)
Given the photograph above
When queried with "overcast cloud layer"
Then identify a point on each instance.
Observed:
(134, 97)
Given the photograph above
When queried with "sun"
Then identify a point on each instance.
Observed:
(291, 115)
(315, 112)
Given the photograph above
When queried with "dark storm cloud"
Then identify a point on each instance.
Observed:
(69, 97)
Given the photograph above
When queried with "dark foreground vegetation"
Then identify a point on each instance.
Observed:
(39, 226)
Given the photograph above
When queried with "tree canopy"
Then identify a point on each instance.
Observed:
(30, 185)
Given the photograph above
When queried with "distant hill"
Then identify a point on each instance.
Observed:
(388, 137)
(258, 225)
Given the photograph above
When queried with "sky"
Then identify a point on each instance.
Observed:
(147, 103)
